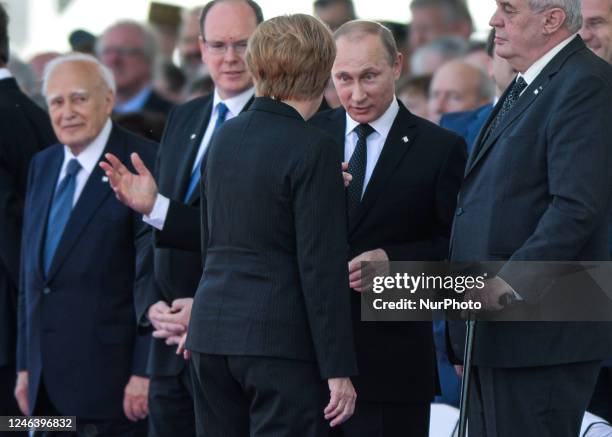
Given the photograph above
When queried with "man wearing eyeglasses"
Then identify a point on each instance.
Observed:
(128, 49)
(170, 203)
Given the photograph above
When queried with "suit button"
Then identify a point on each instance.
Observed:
(46, 290)
(459, 211)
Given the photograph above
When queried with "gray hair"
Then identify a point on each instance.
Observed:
(105, 73)
(573, 22)
(149, 40)
(448, 47)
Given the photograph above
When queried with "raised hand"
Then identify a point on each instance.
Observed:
(136, 191)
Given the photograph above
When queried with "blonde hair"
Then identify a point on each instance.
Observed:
(290, 57)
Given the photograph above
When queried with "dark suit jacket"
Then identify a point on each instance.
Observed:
(406, 210)
(77, 328)
(177, 271)
(24, 130)
(274, 244)
(156, 103)
(538, 189)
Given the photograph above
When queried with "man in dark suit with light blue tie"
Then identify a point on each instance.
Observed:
(79, 352)
(172, 205)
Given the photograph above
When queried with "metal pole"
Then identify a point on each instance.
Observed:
(465, 379)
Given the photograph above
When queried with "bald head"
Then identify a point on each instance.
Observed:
(458, 86)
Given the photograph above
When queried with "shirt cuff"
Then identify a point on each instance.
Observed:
(157, 216)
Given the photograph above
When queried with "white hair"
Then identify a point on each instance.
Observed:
(573, 21)
(104, 72)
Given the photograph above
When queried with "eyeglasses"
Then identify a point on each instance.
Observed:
(121, 51)
(219, 47)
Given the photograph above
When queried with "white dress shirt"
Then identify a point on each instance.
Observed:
(235, 105)
(88, 159)
(5, 73)
(376, 140)
(536, 68)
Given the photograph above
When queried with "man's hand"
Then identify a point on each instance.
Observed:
(137, 191)
(361, 279)
(346, 175)
(342, 401)
(180, 340)
(176, 321)
(135, 398)
(155, 311)
(491, 295)
(21, 392)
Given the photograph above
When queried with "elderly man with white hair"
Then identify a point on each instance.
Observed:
(79, 352)
(537, 187)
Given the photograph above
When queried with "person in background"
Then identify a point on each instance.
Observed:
(413, 92)
(334, 13)
(432, 19)
(428, 58)
(190, 57)
(458, 86)
(128, 49)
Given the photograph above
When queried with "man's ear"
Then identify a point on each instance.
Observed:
(554, 19)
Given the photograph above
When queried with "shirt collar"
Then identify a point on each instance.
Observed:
(539, 65)
(235, 104)
(91, 154)
(136, 103)
(5, 73)
(382, 125)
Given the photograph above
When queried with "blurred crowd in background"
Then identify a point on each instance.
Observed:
(157, 64)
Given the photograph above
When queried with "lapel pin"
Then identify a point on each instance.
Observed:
(105, 179)
(405, 139)
(536, 92)
(193, 136)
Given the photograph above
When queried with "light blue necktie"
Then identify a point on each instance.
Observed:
(195, 175)
(60, 212)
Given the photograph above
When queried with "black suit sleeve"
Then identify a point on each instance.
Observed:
(449, 180)
(145, 288)
(321, 238)
(21, 309)
(181, 228)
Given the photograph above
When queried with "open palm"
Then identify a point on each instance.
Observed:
(136, 190)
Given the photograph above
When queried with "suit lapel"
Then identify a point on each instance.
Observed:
(195, 196)
(398, 142)
(41, 202)
(95, 191)
(531, 93)
(194, 131)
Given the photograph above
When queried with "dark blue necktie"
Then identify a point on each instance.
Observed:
(357, 167)
(195, 174)
(61, 207)
(512, 97)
